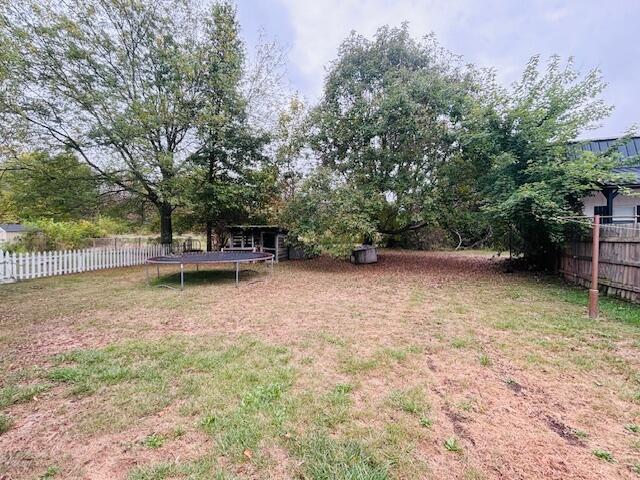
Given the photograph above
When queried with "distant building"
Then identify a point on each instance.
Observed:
(613, 206)
(10, 232)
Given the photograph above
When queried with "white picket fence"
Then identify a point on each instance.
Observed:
(24, 266)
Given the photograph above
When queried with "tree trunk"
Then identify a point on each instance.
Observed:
(209, 228)
(166, 228)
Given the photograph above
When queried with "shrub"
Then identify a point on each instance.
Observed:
(53, 235)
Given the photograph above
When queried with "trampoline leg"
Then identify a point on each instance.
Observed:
(146, 272)
(181, 277)
(237, 272)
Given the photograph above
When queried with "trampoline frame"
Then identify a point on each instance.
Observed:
(185, 259)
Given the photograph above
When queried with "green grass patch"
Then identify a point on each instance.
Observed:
(327, 458)
(451, 445)
(140, 378)
(603, 455)
(200, 469)
(632, 427)
(14, 394)
(154, 440)
(51, 472)
(611, 308)
(5, 423)
(410, 401)
(333, 408)
(384, 357)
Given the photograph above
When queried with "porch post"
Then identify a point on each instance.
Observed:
(610, 194)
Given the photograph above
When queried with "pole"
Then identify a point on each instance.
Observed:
(181, 276)
(595, 259)
(237, 272)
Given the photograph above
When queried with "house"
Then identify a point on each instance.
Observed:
(262, 238)
(10, 232)
(610, 203)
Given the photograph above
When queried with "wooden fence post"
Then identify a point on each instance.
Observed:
(595, 259)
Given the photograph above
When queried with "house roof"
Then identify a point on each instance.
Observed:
(629, 149)
(632, 172)
(271, 228)
(13, 227)
(601, 145)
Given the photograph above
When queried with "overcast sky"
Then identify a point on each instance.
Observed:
(490, 33)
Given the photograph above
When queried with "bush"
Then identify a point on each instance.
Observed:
(53, 235)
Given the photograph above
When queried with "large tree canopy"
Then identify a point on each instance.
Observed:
(408, 136)
(520, 145)
(390, 118)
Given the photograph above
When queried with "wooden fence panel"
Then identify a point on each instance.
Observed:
(619, 269)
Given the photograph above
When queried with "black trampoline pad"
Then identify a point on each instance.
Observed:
(211, 257)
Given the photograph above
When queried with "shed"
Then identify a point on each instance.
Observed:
(9, 232)
(262, 238)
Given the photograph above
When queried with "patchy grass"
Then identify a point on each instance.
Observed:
(325, 458)
(5, 423)
(603, 455)
(323, 370)
(14, 394)
(451, 444)
(410, 401)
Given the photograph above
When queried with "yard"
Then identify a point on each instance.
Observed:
(426, 365)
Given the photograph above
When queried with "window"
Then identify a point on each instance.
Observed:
(624, 214)
(603, 212)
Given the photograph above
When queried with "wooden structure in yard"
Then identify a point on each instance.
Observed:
(619, 261)
(259, 238)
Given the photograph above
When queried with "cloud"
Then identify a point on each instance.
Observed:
(320, 26)
(502, 34)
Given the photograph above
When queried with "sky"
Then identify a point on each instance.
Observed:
(502, 34)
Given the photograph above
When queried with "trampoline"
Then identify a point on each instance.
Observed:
(208, 258)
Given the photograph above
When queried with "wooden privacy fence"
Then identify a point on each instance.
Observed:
(23, 266)
(619, 266)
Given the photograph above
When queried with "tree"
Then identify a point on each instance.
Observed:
(330, 215)
(41, 186)
(389, 118)
(389, 121)
(291, 152)
(121, 84)
(534, 173)
(231, 147)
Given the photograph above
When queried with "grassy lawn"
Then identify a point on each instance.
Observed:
(426, 365)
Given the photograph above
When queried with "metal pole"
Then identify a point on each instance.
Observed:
(237, 272)
(181, 276)
(595, 259)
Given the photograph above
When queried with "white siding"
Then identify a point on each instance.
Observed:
(622, 204)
